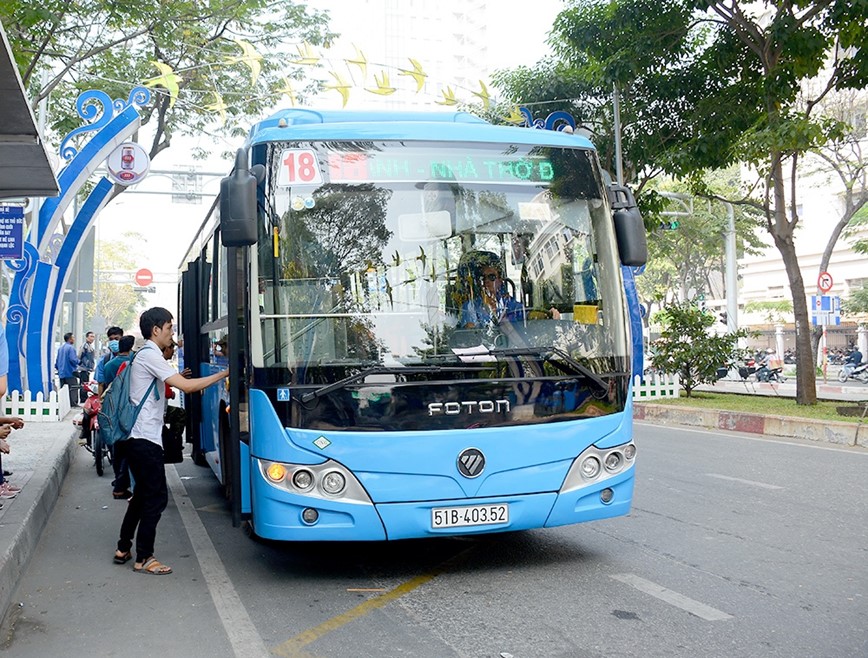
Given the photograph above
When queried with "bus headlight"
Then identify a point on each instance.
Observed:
(333, 483)
(302, 479)
(598, 464)
(613, 461)
(590, 467)
(327, 481)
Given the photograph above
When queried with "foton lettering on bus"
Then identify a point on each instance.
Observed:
(413, 167)
(468, 407)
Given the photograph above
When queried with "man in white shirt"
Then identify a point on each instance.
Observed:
(144, 449)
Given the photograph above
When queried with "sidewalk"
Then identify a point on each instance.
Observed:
(829, 391)
(40, 457)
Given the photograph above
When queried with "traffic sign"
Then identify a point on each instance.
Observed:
(824, 282)
(826, 310)
(144, 277)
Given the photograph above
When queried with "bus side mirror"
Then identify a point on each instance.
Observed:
(630, 234)
(238, 225)
(629, 227)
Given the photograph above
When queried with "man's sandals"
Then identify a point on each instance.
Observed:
(152, 566)
(122, 557)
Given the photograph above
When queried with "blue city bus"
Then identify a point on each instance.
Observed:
(425, 323)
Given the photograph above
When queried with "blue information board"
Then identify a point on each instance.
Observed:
(11, 232)
(825, 310)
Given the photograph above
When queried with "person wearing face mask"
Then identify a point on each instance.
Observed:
(114, 334)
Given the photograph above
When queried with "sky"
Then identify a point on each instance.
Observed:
(167, 228)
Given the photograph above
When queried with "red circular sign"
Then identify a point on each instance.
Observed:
(144, 277)
(824, 281)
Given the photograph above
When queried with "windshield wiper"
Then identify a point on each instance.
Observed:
(546, 353)
(375, 370)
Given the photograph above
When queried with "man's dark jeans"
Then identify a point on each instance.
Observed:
(150, 497)
(121, 468)
(83, 378)
(74, 385)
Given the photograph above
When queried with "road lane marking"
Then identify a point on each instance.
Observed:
(752, 483)
(672, 598)
(243, 636)
(293, 646)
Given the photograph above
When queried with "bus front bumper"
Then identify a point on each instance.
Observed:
(286, 516)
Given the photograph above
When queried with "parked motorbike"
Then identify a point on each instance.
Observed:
(766, 374)
(852, 371)
(90, 427)
(747, 368)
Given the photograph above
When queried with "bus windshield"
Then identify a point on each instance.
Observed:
(403, 254)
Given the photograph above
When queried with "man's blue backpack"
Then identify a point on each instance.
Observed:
(118, 414)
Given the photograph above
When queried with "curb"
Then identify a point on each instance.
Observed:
(23, 523)
(828, 431)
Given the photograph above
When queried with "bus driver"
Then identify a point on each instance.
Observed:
(492, 302)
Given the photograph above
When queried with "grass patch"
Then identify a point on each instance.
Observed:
(760, 404)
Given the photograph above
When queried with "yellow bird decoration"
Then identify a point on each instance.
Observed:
(218, 106)
(360, 60)
(416, 73)
(515, 116)
(167, 79)
(483, 94)
(249, 57)
(289, 92)
(383, 88)
(341, 86)
(448, 97)
(306, 55)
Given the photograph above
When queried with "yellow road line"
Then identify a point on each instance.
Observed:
(292, 648)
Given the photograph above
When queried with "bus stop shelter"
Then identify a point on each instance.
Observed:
(24, 167)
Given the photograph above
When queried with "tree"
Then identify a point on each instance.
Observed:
(856, 303)
(707, 83)
(116, 303)
(686, 347)
(691, 257)
(774, 311)
(223, 58)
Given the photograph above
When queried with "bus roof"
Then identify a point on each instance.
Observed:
(321, 125)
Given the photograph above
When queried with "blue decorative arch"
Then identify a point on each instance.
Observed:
(40, 277)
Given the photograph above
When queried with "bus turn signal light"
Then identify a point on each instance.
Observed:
(276, 472)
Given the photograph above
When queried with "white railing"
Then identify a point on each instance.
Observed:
(655, 386)
(37, 410)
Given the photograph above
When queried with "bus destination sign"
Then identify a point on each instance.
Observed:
(431, 167)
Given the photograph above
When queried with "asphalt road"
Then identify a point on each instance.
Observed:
(736, 546)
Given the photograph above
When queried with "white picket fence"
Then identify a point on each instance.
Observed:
(38, 410)
(656, 386)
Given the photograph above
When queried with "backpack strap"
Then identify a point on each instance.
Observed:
(152, 387)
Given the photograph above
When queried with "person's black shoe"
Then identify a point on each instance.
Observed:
(6, 473)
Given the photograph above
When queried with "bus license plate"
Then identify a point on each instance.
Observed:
(456, 517)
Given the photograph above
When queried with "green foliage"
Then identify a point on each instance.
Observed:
(856, 303)
(685, 258)
(116, 303)
(686, 347)
(858, 224)
(111, 46)
(774, 311)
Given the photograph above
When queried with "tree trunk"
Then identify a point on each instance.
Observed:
(782, 231)
(806, 374)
